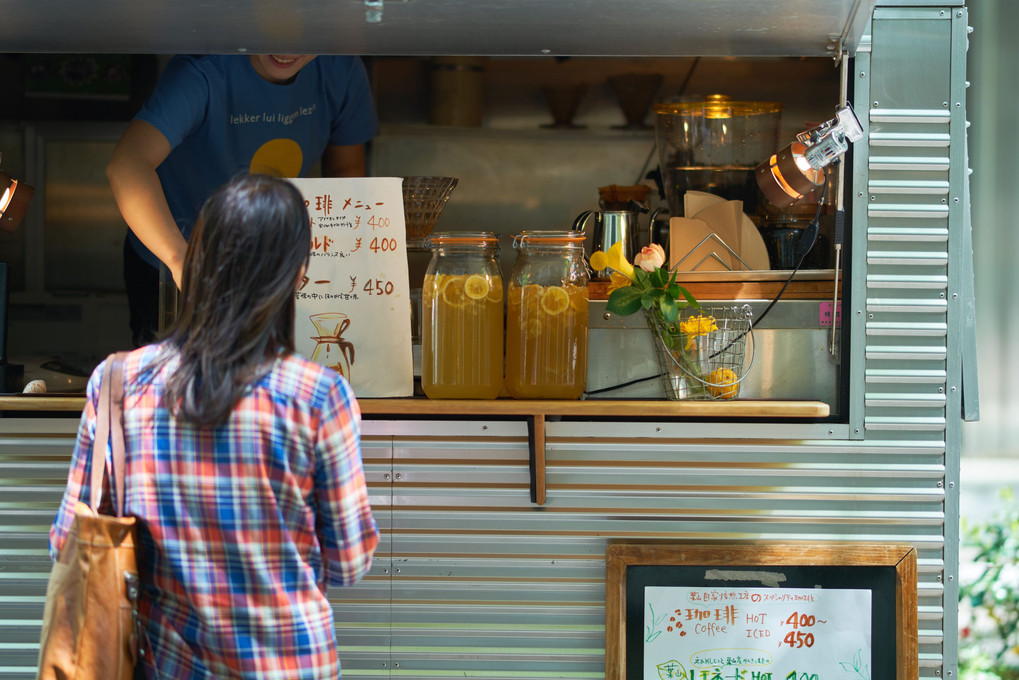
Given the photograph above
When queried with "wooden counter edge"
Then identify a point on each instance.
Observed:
(599, 408)
(17, 402)
(737, 408)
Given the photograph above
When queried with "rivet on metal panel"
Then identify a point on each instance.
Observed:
(951, 578)
(953, 388)
(859, 312)
(856, 431)
(955, 200)
(658, 429)
(385, 475)
(606, 316)
(942, 12)
(383, 664)
(944, 105)
(484, 427)
(396, 664)
(875, 103)
(399, 476)
(831, 432)
(863, 74)
(944, 200)
(870, 316)
(939, 577)
(940, 485)
(955, 296)
(958, 104)
(959, 14)
(951, 485)
(941, 294)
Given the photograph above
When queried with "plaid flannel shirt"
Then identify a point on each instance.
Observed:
(244, 525)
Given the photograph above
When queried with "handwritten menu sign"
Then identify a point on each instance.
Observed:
(707, 633)
(353, 306)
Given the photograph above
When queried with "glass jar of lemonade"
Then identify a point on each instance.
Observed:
(462, 318)
(546, 317)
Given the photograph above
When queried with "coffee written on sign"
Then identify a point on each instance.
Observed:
(756, 633)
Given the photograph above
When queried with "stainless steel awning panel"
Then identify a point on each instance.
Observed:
(427, 27)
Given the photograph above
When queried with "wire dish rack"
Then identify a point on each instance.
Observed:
(423, 201)
(702, 355)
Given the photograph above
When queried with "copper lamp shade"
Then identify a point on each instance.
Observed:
(787, 177)
(14, 199)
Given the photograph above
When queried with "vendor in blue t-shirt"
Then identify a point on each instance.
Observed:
(212, 117)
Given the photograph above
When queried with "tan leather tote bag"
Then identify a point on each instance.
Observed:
(90, 624)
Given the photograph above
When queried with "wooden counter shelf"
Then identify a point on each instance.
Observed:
(596, 408)
(534, 411)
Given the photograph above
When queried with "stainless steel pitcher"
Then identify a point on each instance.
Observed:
(611, 227)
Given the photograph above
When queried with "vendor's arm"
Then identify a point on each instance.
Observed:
(343, 161)
(139, 193)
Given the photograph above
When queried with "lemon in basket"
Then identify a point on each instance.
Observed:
(722, 383)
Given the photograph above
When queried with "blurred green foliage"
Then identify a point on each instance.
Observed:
(989, 596)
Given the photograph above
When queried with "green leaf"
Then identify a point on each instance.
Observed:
(691, 300)
(670, 309)
(658, 278)
(624, 301)
(650, 297)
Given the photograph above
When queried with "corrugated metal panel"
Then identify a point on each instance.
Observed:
(473, 559)
(473, 580)
(912, 181)
(33, 473)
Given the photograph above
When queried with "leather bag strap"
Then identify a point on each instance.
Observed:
(117, 428)
(109, 422)
(102, 436)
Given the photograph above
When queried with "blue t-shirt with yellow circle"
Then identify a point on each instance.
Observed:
(221, 118)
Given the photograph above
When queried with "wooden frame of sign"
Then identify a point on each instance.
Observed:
(892, 561)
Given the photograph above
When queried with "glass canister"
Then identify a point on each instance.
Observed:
(462, 317)
(546, 317)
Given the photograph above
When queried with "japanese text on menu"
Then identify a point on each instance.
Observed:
(756, 633)
(353, 305)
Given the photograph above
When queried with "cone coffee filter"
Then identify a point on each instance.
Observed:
(423, 201)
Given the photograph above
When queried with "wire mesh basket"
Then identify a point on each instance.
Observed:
(702, 354)
(423, 201)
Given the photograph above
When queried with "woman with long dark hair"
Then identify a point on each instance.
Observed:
(243, 458)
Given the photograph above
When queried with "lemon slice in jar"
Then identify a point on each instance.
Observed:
(495, 293)
(555, 300)
(476, 287)
(453, 291)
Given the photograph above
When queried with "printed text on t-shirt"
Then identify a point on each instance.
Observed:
(272, 117)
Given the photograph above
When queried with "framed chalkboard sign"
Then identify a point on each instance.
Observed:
(769, 612)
